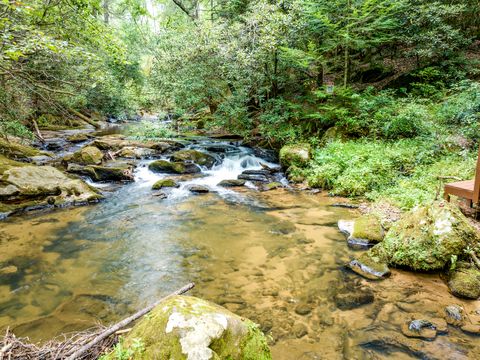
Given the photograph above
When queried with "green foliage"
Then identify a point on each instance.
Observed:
(405, 172)
(121, 352)
(148, 130)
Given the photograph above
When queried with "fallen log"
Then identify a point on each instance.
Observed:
(114, 328)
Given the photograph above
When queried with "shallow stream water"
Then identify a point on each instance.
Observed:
(275, 257)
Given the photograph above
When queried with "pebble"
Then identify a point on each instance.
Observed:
(303, 309)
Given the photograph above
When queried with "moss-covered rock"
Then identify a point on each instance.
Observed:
(296, 174)
(232, 183)
(77, 138)
(185, 327)
(164, 166)
(428, 237)
(28, 186)
(113, 172)
(197, 157)
(272, 186)
(165, 183)
(333, 134)
(298, 155)
(15, 150)
(133, 152)
(464, 281)
(363, 232)
(371, 264)
(89, 155)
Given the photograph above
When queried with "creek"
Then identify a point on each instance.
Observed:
(275, 257)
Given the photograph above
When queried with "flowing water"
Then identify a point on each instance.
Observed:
(275, 257)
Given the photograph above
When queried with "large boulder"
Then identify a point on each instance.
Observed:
(132, 152)
(428, 237)
(164, 166)
(295, 155)
(28, 186)
(195, 156)
(464, 281)
(184, 327)
(89, 155)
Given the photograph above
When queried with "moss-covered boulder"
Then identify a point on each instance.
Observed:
(78, 138)
(132, 152)
(195, 156)
(333, 134)
(113, 172)
(363, 232)
(165, 183)
(17, 151)
(28, 186)
(164, 166)
(185, 327)
(297, 155)
(89, 155)
(272, 186)
(464, 281)
(427, 237)
(371, 264)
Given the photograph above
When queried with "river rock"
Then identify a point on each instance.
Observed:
(303, 309)
(78, 138)
(114, 172)
(371, 265)
(259, 178)
(15, 150)
(454, 315)
(272, 186)
(427, 237)
(471, 329)
(231, 183)
(295, 155)
(89, 155)
(132, 152)
(198, 189)
(348, 298)
(165, 183)
(464, 281)
(28, 186)
(363, 232)
(164, 166)
(299, 330)
(419, 328)
(185, 327)
(195, 156)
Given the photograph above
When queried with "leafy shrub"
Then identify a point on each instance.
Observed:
(150, 130)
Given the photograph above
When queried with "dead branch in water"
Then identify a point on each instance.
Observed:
(86, 345)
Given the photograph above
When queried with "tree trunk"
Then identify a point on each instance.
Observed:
(106, 11)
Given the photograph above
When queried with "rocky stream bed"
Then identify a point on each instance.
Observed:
(220, 214)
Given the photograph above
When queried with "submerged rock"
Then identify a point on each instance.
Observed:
(187, 328)
(195, 156)
(231, 183)
(348, 298)
(428, 237)
(164, 166)
(371, 264)
(464, 281)
(165, 183)
(295, 155)
(272, 186)
(454, 315)
(419, 328)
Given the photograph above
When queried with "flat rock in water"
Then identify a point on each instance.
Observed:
(259, 178)
(454, 315)
(256, 172)
(471, 329)
(370, 265)
(231, 183)
(419, 328)
(198, 189)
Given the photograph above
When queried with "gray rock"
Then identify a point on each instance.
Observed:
(198, 189)
(231, 183)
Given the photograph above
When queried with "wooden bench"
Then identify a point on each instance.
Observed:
(468, 190)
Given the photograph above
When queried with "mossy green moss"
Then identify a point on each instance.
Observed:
(15, 150)
(165, 183)
(368, 227)
(182, 325)
(426, 238)
(297, 155)
(464, 281)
